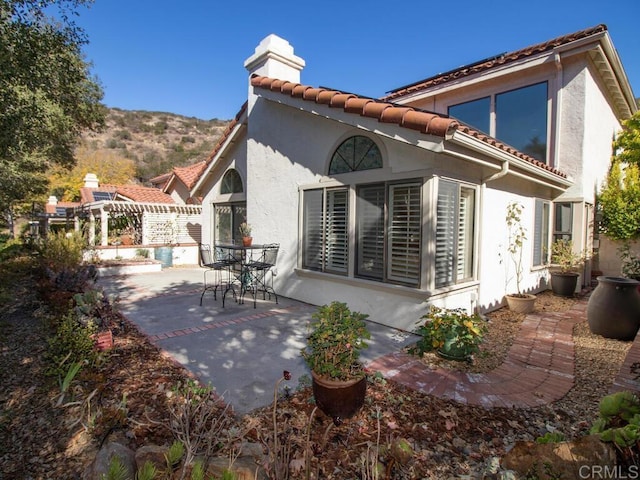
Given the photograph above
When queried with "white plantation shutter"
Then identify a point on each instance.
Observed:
(541, 232)
(312, 241)
(337, 231)
(403, 256)
(454, 233)
(446, 232)
(465, 234)
(370, 218)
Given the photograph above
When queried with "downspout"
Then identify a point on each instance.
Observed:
(503, 171)
(557, 110)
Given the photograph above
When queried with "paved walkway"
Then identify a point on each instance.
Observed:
(539, 368)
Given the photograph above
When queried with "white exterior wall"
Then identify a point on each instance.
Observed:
(288, 149)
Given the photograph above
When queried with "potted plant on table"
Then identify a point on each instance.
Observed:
(452, 333)
(245, 232)
(332, 354)
(518, 302)
(565, 263)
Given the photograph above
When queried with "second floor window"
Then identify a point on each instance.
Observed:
(520, 118)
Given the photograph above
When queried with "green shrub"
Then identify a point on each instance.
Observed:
(71, 343)
(62, 251)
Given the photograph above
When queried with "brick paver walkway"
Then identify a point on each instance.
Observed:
(538, 370)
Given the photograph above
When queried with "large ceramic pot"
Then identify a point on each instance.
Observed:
(524, 303)
(339, 399)
(451, 351)
(564, 284)
(613, 310)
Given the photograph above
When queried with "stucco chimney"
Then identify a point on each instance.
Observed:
(274, 58)
(53, 200)
(91, 180)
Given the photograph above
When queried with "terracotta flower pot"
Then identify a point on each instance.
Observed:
(524, 303)
(339, 399)
(246, 241)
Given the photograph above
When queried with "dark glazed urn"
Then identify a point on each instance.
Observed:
(613, 310)
(339, 399)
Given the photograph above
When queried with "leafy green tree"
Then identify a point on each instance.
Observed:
(619, 201)
(47, 96)
(627, 144)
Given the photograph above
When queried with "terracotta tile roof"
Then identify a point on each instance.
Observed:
(225, 135)
(52, 209)
(86, 193)
(483, 65)
(143, 194)
(161, 180)
(408, 117)
(425, 122)
(189, 175)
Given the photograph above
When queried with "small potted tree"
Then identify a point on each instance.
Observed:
(332, 354)
(245, 233)
(452, 333)
(519, 302)
(565, 263)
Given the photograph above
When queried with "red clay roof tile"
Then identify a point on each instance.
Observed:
(143, 194)
(189, 175)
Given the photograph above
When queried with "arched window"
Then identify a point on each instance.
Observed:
(231, 182)
(354, 154)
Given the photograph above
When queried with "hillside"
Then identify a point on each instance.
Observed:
(156, 141)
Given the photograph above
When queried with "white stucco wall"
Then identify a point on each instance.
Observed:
(288, 149)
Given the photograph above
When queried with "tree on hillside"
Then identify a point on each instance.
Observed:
(619, 200)
(109, 167)
(47, 96)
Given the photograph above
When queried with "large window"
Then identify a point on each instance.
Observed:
(541, 233)
(520, 118)
(563, 221)
(454, 233)
(231, 182)
(388, 231)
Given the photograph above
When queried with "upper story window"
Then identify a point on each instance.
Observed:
(354, 154)
(519, 120)
(231, 182)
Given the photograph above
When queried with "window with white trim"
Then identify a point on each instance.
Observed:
(455, 213)
(388, 229)
(325, 230)
(563, 221)
(541, 233)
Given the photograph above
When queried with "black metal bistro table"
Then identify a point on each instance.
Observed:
(248, 267)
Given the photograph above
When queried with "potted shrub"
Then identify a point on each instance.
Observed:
(245, 232)
(564, 262)
(332, 354)
(452, 333)
(518, 302)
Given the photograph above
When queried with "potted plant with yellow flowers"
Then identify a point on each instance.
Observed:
(332, 354)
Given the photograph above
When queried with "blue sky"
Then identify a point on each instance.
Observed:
(187, 57)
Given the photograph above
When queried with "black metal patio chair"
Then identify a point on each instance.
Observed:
(261, 272)
(217, 264)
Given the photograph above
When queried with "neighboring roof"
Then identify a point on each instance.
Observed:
(143, 194)
(59, 208)
(189, 175)
(87, 193)
(161, 180)
(425, 122)
(492, 62)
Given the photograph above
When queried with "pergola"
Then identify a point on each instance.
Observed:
(161, 223)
